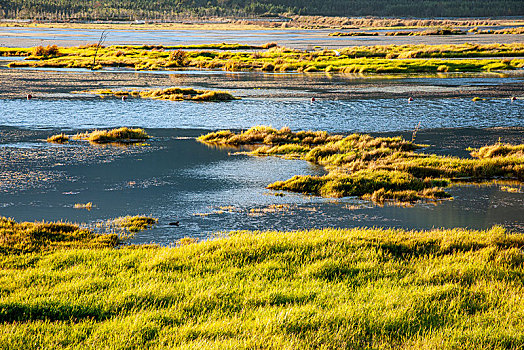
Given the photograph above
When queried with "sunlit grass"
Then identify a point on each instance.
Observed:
(59, 138)
(357, 59)
(123, 134)
(135, 223)
(329, 289)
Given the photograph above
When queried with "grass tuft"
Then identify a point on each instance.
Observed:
(123, 134)
(59, 138)
(135, 223)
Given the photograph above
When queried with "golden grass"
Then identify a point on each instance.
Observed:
(59, 138)
(135, 223)
(122, 134)
(87, 206)
(359, 59)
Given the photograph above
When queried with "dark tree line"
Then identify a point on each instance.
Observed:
(173, 9)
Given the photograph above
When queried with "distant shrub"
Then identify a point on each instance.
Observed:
(178, 58)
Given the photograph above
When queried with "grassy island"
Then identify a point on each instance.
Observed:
(331, 289)
(357, 59)
(375, 168)
(123, 134)
(171, 94)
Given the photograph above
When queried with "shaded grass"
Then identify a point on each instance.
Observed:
(123, 134)
(375, 168)
(330, 289)
(357, 59)
(170, 94)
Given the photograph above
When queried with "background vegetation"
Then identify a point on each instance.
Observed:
(174, 9)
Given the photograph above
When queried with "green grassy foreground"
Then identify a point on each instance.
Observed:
(328, 289)
(357, 59)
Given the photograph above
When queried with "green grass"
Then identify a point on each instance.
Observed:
(357, 59)
(25, 237)
(375, 168)
(315, 289)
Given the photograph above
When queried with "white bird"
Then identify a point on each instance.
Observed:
(337, 53)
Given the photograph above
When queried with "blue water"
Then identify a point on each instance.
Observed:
(378, 115)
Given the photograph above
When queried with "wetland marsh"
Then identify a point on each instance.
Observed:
(154, 153)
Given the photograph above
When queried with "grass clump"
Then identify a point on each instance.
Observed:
(123, 134)
(59, 138)
(87, 206)
(135, 223)
(375, 168)
(499, 150)
(267, 135)
(331, 288)
(26, 237)
(377, 185)
(46, 52)
(169, 94)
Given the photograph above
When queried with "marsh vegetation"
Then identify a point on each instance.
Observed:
(357, 59)
(375, 168)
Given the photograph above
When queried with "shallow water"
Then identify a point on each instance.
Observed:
(207, 189)
(26, 36)
(370, 115)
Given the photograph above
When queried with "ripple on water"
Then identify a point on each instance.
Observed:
(378, 115)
